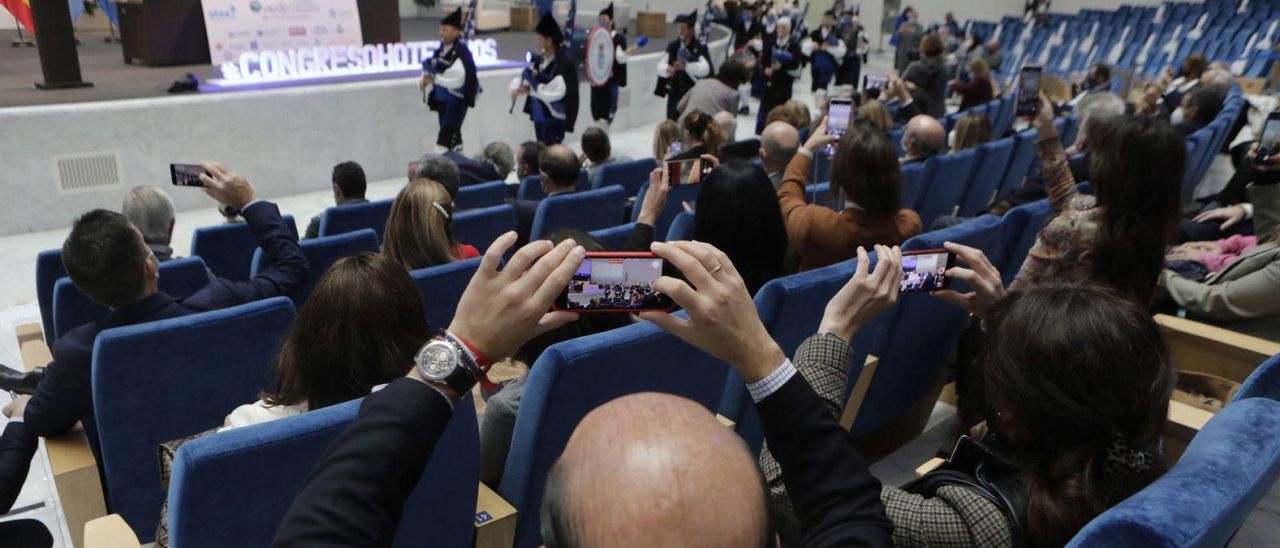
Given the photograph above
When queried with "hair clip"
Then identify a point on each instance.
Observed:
(441, 209)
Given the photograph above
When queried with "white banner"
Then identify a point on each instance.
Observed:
(238, 26)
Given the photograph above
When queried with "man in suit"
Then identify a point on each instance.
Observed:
(527, 158)
(349, 185)
(558, 168)
(107, 259)
(924, 138)
(1198, 108)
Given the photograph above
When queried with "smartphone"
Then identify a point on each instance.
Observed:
(186, 174)
(615, 282)
(839, 116)
(926, 270)
(1269, 145)
(683, 171)
(874, 82)
(1028, 101)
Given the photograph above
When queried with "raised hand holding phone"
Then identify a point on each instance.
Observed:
(819, 139)
(226, 186)
(988, 287)
(865, 295)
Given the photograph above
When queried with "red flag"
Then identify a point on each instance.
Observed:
(21, 10)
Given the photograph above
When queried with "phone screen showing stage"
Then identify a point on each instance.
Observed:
(186, 174)
(1269, 145)
(615, 283)
(839, 114)
(1029, 91)
(925, 272)
(874, 82)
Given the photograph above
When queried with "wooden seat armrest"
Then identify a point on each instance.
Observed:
(109, 531)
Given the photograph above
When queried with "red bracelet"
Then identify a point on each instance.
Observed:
(482, 360)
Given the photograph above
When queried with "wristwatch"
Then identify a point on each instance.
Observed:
(444, 360)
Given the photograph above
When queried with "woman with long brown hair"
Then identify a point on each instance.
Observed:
(420, 227)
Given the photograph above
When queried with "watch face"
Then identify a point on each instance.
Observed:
(437, 360)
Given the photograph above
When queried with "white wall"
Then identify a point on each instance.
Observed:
(1074, 6)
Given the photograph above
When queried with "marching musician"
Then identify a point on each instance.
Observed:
(686, 62)
(825, 49)
(450, 73)
(551, 82)
(781, 61)
(604, 99)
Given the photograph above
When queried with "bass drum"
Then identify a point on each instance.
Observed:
(599, 56)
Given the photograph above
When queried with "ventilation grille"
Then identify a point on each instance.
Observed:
(87, 172)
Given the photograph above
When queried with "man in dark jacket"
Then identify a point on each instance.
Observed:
(450, 72)
(551, 84)
(686, 62)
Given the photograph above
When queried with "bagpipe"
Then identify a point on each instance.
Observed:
(530, 76)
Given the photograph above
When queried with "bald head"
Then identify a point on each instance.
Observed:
(653, 470)
(778, 144)
(924, 137)
(559, 166)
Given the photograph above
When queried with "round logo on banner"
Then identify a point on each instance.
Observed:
(599, 56)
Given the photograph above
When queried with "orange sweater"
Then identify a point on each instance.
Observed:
(821, 236)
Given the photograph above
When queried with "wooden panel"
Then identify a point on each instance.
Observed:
(652, 24)
(1199, 347)
(495, 520)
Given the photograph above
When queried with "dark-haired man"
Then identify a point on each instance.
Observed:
(527, 158)
(349, 185)
(685, 63)
(108, 260)
(559, 168)
(551, 84)
(450, 72)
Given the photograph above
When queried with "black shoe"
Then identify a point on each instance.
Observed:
(22, 383)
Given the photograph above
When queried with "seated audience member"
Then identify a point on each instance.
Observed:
(991, 54)
(1148, 104)
(728, 123)
(712, 95)
(478, 170)
(923, 138)
(559, 169)
(1098, 79)
(108, 261)
(1186, 79)
(866, 168)
(328, 358)
(349, 186)
(738, 213)
(701, 135)
(356, 493)
(929, 74)
(499, 420)
(778, 144)
(1210, 257)
(441, 169)
(1067, 434)
(909, 101)
(1229, 212)
(597, 152)
(527, 157)
(792, 112)
(1118, 237)
(971, 131)
(499, 158)
(1198, 109)
(666, 134)
(976, 91)
(419, 230)
(873, 113)
(150, 209)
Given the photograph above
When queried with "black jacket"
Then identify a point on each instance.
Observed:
(778, 87)
(459, 53)
(565, 67)
(471, 172)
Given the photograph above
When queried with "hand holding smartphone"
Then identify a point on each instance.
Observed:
(839, 116)
(615, 282)
(1269, 144)
(1028, 98)
(186, 174)
(925, 271)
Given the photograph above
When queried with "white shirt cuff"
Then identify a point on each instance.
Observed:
(772, 382)
(803, 151)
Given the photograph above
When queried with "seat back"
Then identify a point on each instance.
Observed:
(480, 227)
(227, 249)
(675, 205)
(585, 211)
(323, 252)
(574, 377)
(1020, 227)
(914, 178)
(189, 387)
(441, 287)
(1197, 147)
(48, 270)
(614, 238)
(628, 175)
(234, 488)
(988, 172)
(352, 217)
(1024, 156)
(682, 227)
(179, 278)
(895, 135)
(482, 195)
(1264, 382)
(1226, 470)
(948, 176)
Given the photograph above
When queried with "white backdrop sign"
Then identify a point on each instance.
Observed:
(239, 26)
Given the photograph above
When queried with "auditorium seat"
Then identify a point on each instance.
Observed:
(482, 195)
(743, 149)
(948, 176)
(48, 270)
(531, 186)
(352, 217)
(676, 198)
(915, 177)
(227, 249)
(615, 238)
(1197, 145)
(1018, 232)
(585, 211)
(441, 287)
(574, 377)
(480, 227)
(233, 488)
(179, 278)
(1264, 382)
(322, 252)
(682, 227)
(989, 166)
(629, 175)
(165, 380)
(1024, 155)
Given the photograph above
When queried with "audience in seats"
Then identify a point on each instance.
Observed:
(665, 134)
(977, 90)
(1229, 212)
(1098, 79)
(792, 112)
(778, 145)
(108, 260)
(655, 201)
(349, 186)
(1199, 107)
(474, 172)
(700, 135)
(441, 169)
(970, 131)
(499, 158)
(738, 213)
(912, 102)
(597, 152)
(712, 95)
(1186, 79)
(527, 158)
(873, 113)
(865, 167)
(923, 138)
(329, 358)
(150, 209)
(501, 409)
(419, 230)
(1117, 237)
(558, 167)
(929, 74)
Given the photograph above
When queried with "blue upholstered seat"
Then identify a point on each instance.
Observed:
(480, 227)
(682, 227)
(572, 378)
(915, 177)
(1024, 156)
(441, 287)
(48, 270)
(676, 198)
(233, 488)
(193, 370)
(1264, 382)
(180, 278)
(482, 195)
(585, 211)
(629, 175)
(1018, 232)
(352, 217)
(614, 238)
(948, 177)
(531, 186)
(227, 249)
(323, 252)
(988, 172)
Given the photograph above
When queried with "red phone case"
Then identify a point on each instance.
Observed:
(612, 255)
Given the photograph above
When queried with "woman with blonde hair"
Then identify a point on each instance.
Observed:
(664, 135)
(792, 112)
(971, 130)
(874, 113)
(419, 230)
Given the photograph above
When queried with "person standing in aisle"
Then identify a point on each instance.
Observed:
(604, 99)
(551, 82)
(686, 62)
(450, 73)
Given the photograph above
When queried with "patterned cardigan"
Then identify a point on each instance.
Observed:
(1063, 249)
(955, 517)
